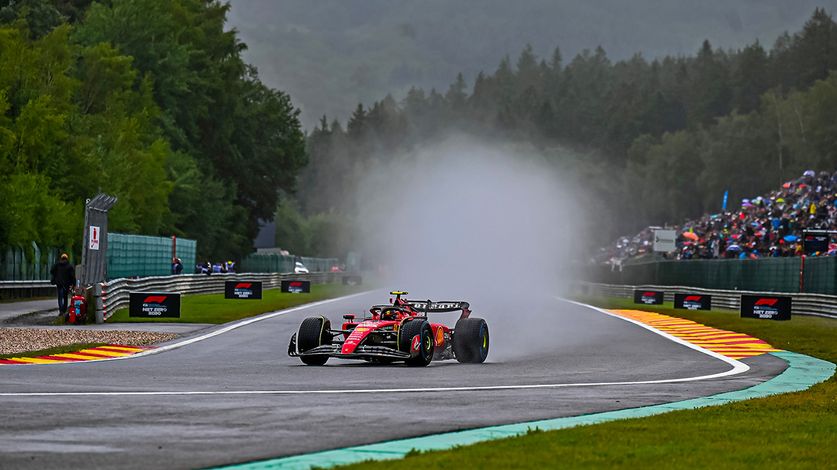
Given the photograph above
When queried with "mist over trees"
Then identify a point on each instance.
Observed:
(653, 141)
(331, 54)
(149, 100)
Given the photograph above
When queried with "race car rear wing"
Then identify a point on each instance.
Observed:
(447, 306)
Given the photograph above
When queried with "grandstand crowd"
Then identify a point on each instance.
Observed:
(766, 226)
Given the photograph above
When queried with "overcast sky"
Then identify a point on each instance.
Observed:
(331, 54)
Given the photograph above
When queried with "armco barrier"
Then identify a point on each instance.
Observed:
(112, 295)
(25, 289)
(803, 304)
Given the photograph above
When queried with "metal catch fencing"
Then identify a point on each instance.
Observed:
(142, 255)
(30, 263)
(277, 263)
(815, 275)
(110, 296)
(803, 304)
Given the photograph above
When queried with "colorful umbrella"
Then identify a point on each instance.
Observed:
(790, 238)
(691, 236)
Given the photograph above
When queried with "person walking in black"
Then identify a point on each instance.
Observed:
(64, 277)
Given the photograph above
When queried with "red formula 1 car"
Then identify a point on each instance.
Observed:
(399, 331)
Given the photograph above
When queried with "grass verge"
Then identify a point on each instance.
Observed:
(214, 308)
(56, 350)
(795, 430)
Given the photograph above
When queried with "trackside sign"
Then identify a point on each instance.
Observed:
(665, 241)
(768, 307)
(693, 301)
(154, 305)
(648, 297)
(242, 290)
(296, 287)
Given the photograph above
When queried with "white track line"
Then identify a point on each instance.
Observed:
(234, 326)
(738, 367)
(211, 334)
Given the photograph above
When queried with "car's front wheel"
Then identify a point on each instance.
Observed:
(416, 338)
(313, 332)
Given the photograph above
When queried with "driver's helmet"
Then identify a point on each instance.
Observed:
(389, 314)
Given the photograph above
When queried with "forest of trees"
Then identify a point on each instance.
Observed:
(148, 100)
(357, 51)
(654, 141)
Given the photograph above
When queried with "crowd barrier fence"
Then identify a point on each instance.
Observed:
(812, 275)
(802, 304)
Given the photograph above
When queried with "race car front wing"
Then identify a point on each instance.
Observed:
(361, 352)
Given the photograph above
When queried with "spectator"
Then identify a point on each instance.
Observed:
(176, 266)
(63, 275)
(205, 268)
(770, 225)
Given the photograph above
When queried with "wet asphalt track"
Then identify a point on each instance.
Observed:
(579, 345)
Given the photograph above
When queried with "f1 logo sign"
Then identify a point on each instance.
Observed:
(768, 308)
(295, 286)
(154, 304)
(243, 290)
(649, 297)
(692, 301)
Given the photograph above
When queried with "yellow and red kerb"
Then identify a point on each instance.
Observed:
(727, 343)
(92, 354)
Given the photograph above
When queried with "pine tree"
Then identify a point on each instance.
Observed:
(357, 123)
(749, 77)
(456, 94)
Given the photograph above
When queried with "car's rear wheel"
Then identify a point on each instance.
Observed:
(313, 332)
(417, 330)
(470, 340)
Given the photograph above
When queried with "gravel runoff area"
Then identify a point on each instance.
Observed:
(16, 340)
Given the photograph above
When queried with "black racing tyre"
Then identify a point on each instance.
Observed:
(313, 332)
(407, 332)
(470, 340)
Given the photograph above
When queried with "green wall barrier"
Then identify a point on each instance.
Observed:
(142, 255)
(765, 275)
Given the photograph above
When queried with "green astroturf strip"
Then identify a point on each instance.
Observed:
(802, 373)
